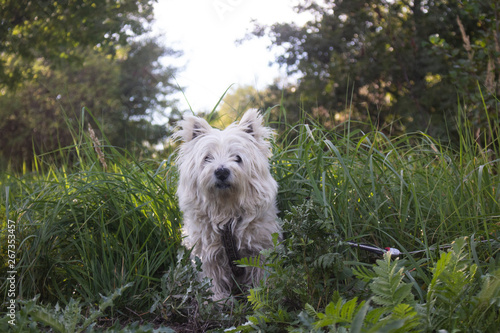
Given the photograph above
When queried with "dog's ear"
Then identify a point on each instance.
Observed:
(252, 123)
(192, 127)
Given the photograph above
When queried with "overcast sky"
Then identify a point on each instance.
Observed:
(206, 31)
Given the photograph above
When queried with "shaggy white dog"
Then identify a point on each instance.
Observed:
(227, 195)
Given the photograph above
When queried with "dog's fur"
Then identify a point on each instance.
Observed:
(224, 178)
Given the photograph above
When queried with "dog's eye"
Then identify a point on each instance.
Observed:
(208, 158)
(237, 159)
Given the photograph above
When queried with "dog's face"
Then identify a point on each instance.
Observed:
(225, 161)
(231, 164)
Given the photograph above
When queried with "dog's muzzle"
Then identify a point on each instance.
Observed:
(222, 174)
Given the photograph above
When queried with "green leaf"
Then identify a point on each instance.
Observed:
(310, 310)
(43, 316)
(388, 286)
(358, 320)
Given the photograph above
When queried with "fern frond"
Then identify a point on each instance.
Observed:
(375, 315)
(310, 310)
(329, 260)
(387, 286)
(408, 314)
(453, 279)
(339, 312)
(363, 273)
(251, 262)
(490, 291)
(452, 275)
(402, 311)
(258, 299)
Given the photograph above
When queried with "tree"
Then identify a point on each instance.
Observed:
(123, 93)
(377, 54)
(58, 57)
(57, 31)
(474, 67)
(274, 97)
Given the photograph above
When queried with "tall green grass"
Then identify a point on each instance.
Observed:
(91, 224)
(410, 192)
(98, 219)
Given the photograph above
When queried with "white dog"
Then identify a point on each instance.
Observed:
(227, 195)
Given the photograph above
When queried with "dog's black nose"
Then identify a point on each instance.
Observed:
(222, 173)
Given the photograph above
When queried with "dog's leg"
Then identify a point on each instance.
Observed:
(218, 270)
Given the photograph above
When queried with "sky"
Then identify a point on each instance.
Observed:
(206, 31)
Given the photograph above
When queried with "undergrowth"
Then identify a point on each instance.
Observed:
(102, 220)
(388, 296)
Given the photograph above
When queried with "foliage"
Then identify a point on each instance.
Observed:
(303, 271)
(372, 187)
(185, 299)
(454, 293)
(183, 295)
(70, 319)
(305, 267)
(36, 117)
(397, 61)
(409, 192)
(58, 31)
(454, 301)
(387, 286)
(310, 263)
(474, 68)
(91, 228)
(58, 57)
(451, 302)
(105, 220)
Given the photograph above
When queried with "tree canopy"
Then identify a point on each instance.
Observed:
(404, 62)
(57, 58)
(57, 31)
